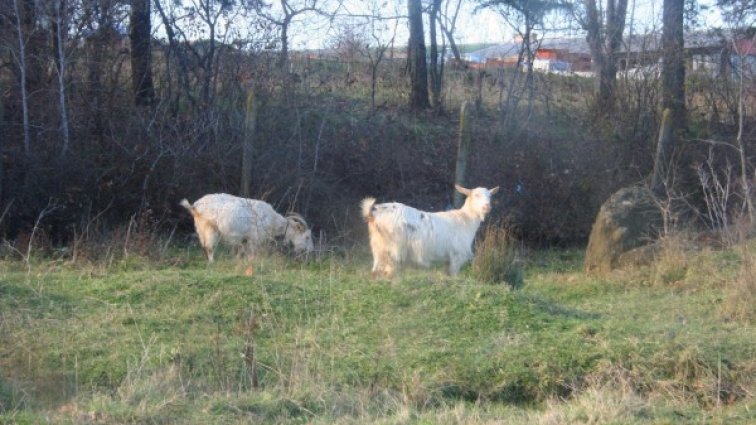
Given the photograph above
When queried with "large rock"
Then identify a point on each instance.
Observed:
(625, 230)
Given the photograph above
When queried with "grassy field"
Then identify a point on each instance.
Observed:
(178, 341)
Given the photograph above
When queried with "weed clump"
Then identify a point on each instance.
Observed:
(673, 261)
(496, 258)
(740, 293)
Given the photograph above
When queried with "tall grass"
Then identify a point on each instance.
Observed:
(496, 258)
(681, 262)
(674, 258)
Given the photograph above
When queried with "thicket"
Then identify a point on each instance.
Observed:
(319, 145)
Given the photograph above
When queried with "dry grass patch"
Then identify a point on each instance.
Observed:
(740, 292)
(605, 404)
(496, 258)
(673, 261)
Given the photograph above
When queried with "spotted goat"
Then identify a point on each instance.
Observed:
(245, 224)
(402, 234)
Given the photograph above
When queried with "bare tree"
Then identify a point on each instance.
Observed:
(744, 175)
(213, 22)
(351, 43)
(208, 13)
(523, 24)
(99, 20)
(742, 13)
(741, 16)
(376, 52)
(448, 24)
(289, 10)
(416, 55)
(369, 35)
(604, 40)
(174, 47)
(523, 16)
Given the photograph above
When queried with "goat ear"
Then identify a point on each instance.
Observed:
(494, 190)
(462, 190)
(296, 222)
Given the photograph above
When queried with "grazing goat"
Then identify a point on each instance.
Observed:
(245, 223)
(402, 234)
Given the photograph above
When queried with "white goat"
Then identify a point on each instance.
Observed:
(245, 223)
(402, 234)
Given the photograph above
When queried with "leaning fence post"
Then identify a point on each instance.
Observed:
(248, 143)
(463, 149)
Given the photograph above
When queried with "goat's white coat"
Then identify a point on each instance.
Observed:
(403, 234)
(244, 223)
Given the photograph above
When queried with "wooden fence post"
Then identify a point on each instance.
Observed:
(463, 149)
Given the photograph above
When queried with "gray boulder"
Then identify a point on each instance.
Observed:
(625, 231)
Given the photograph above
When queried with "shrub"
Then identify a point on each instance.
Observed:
(496, 258)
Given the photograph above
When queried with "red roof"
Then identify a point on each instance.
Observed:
(745, 46)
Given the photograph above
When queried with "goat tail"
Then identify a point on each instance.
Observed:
(184, 203)
(367, 209)
(200, 220)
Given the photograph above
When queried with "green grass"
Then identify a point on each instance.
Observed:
(163, 342)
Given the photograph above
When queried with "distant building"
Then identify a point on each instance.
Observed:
(712, 52)
(563, 55)
(552, 55)
(502, 55)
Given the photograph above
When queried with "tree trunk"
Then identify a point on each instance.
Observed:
(208, 88)
(373, 78)
(59, 37)
(36, 39)
(417, 62)
(23, 83)
(615, 25)
(141, 55)
(525, 53)
(673, 64)
(508, 107)
(595, 39)
(435, 69)
(529, 77)
(604, 46)
(374, 63)
(283, 59)
(744, 175)
(453, 46)
(449, 32)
